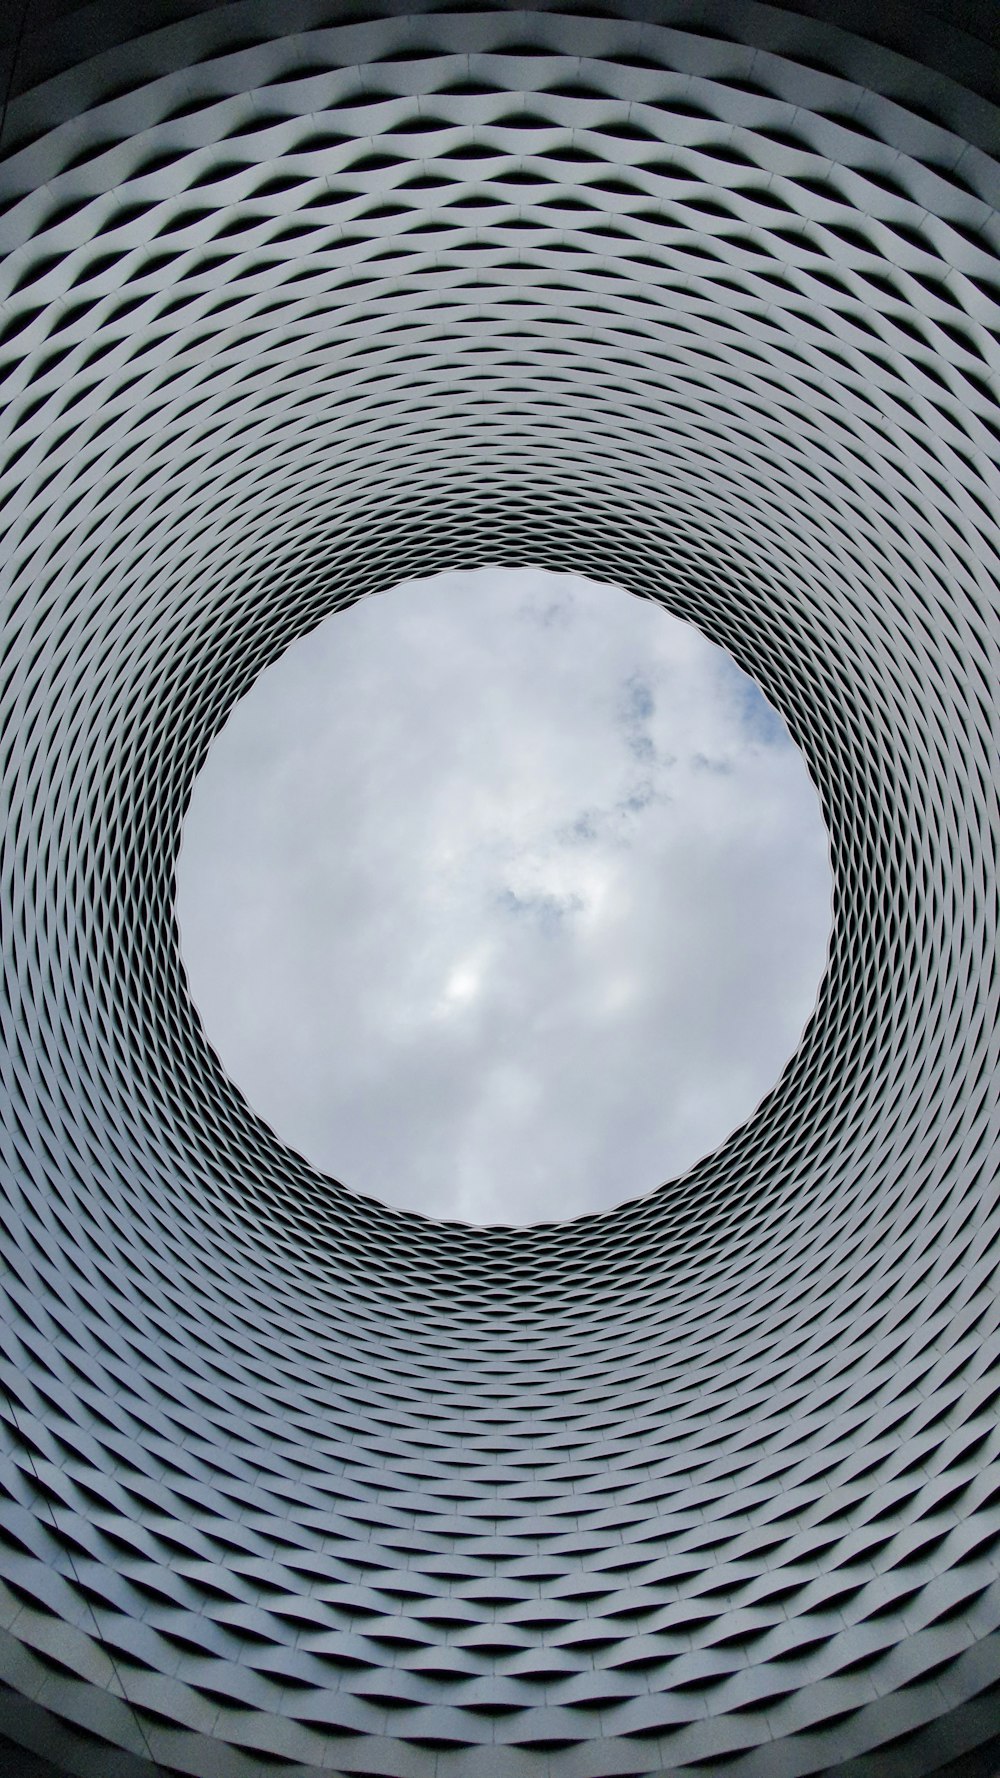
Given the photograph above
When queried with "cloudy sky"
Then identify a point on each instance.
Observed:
(504, 896)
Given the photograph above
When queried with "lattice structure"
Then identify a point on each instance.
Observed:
(700, 298)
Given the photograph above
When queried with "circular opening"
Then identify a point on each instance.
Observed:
(504, 896)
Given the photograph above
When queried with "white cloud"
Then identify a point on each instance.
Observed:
(504, 896)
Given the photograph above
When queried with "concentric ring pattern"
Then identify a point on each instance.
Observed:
(301, 298)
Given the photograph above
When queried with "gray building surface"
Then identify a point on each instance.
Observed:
(301, 297)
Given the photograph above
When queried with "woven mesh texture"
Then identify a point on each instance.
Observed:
(301, 299)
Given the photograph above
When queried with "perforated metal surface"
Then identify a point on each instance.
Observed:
(705, 300)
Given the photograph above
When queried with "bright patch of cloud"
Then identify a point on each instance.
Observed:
(504, 896)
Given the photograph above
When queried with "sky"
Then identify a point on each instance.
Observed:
(504, 896)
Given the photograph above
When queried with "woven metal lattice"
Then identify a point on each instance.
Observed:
(704, 300)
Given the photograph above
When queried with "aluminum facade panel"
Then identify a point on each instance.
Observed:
(299, 301)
